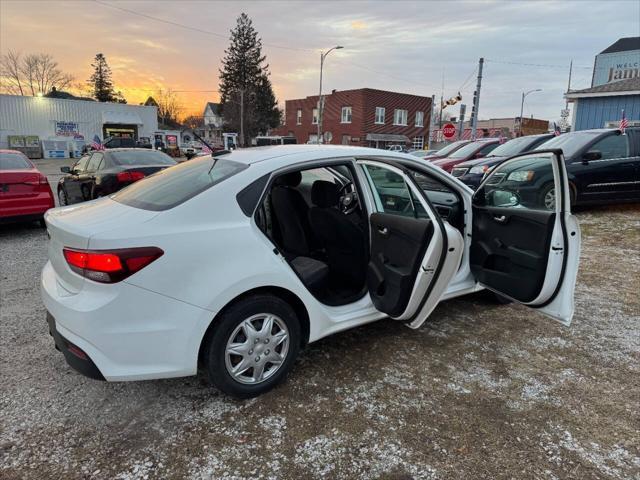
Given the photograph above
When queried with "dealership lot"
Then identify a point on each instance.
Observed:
(482, 390)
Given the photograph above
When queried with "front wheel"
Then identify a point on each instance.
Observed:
(62, 197)
(252, 346)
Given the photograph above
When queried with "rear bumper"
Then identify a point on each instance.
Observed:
(75, 356)
(32, 207)
(126, 332)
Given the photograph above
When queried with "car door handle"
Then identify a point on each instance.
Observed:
(383, 230)
(500, 218)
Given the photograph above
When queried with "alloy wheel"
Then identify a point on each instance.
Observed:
(62, 198)
(257, 348)
(550, 199)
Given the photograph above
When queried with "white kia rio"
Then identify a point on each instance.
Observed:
(234, 263)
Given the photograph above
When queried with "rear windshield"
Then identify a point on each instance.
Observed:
(13, 161)
(141, 157)
(173, 186)
(450, 148)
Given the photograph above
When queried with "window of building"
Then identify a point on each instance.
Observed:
(380, 111)
(314, 116)
(418, 143)
(419, 119)
(400, 117)
(346, 115)
(299, 117)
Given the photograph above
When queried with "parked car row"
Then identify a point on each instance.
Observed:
(603, 165)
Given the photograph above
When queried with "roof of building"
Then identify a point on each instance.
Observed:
(215, 108)
(623, 45)
(630, 86)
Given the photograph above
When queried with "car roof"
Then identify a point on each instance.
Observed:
(312, 152)
(8, 150)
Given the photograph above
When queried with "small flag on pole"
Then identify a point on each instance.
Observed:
(96, 144)
(556, 129)
(624, 123)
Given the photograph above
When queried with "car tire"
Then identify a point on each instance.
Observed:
(62, 197)
(547, 196)
(233, 344)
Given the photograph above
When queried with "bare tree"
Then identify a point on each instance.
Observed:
(169, 106)
(33, 74)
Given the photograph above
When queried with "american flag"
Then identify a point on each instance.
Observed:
(556, 129)
(96, 143)
(624, 123)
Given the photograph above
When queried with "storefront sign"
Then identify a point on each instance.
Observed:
(67, 129)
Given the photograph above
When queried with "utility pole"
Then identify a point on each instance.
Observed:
(463, 109)
(441, 100)
(323, 55)
(242, 117)
(476, 101)
(432, 120)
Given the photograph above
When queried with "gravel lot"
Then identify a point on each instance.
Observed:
(480, 391)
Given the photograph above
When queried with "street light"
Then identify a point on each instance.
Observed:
(323, 55)
(522, 106)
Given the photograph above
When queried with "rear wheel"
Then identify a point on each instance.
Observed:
(252, 346)
(548, 197)
(62, 197)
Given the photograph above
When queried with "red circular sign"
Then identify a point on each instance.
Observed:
(449, 130)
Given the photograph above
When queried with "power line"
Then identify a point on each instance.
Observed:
(534, 64)
(188, 27)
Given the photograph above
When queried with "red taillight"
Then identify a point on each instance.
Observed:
(110, 266)
(130, 176)
(43, 180)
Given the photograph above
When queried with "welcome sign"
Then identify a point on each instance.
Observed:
(67, 129)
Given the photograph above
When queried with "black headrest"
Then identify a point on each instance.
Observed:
(325, 194)
(291, 179)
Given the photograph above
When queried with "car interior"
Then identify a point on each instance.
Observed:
(316, 221)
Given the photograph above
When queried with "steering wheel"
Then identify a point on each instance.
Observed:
(348, 199)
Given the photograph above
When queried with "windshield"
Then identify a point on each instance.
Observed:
(466, 150)
(13, 161)
(141, 157)
(570, 143)
(512, 147)
(450, 148)
(173, 186)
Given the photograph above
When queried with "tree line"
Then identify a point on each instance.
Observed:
(249, 105)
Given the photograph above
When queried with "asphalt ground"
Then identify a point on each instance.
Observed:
(481, 391)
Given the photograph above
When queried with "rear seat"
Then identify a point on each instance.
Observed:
(314, 273)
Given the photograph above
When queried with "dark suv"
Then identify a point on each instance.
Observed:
(472, 171)
(603, 166)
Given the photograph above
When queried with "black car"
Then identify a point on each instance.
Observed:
(472, 171)
(603, 166)
(103, 172)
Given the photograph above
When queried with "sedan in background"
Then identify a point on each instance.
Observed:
(448, 150)
(473, 150)
(25, 193)
(104, 172)
(472, 172)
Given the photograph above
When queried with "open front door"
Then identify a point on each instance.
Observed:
(413, 253)
(525, 242)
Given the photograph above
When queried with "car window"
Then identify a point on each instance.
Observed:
(94, 163)
(141, 157)
(464, 151)
(524, 182)
(13, 161)
(311, 175)
(81, 166)
(613, 146)
(173, 186)
(450, 148)
(569, 143)
(392, 194)
(488, 148)
(513, 147)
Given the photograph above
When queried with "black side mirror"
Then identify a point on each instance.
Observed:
(591, 155)
(65, 169)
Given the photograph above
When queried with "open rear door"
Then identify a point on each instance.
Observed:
(526, 243)
(413, 253)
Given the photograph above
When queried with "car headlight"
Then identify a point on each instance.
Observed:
(479, 169)
(521, 176)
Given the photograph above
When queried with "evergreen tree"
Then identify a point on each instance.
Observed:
(244, 79)
(100, 81)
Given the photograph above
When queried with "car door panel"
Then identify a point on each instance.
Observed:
(524, 247)
(397, 246)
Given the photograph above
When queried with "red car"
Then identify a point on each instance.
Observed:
(447, 150)
(477, 149)
(25, 193)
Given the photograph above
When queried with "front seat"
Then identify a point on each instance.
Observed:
(341, 238)
(291, 213)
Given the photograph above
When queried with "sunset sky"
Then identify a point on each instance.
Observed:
(400, 46)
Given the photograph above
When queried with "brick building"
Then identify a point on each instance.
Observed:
(363, 117)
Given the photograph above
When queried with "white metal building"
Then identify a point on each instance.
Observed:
(59, 119)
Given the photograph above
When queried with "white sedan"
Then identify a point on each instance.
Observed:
(234, 263)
